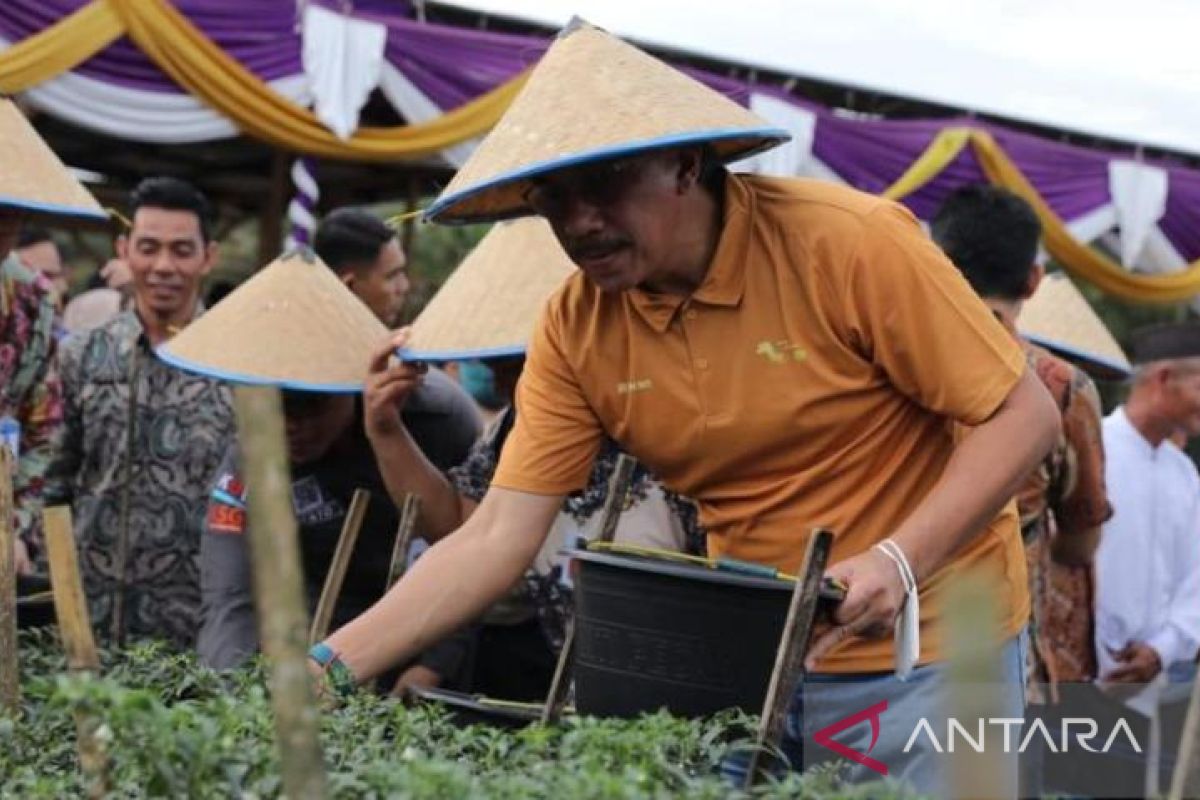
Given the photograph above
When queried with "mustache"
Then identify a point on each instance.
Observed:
(591, 246)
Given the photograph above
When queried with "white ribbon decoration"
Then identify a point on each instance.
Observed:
(342, 57)
(1139, 194)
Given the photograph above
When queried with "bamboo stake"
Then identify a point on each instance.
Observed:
(1185, 781)
(793, 644)
(75, 628)
(279, 589)
(337, 568)
(409, 511)
(10, 688)
(614, 504)
(972, 643)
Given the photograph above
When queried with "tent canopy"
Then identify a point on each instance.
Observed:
(1107, 68)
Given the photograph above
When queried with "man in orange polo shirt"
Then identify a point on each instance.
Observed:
(788, 353)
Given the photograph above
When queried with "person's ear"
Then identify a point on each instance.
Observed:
(1033, 281)
(688, 172)
(348, 279)
(122, 247)
(212, 252)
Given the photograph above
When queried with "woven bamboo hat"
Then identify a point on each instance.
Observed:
(293, 325)
(1058, 317)
(592, 97)
(489, 305)
(32, 178)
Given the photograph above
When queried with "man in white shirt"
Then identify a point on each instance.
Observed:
(1148, 563)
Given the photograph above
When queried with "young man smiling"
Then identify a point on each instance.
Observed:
(142, 439)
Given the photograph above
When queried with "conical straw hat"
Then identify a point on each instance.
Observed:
(32, 178)
(489, 305)
(1059, 317)
(593, 97)
(292, 325)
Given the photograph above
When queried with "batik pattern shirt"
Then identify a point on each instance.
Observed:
(30, 389)
(652, 517)
(144, 436)
(1063, 505)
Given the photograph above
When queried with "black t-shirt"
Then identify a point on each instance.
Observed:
(444, 423)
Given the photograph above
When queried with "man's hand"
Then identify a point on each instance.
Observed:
(116, 273)
(416, 677)
(22, 561)
(388, 386)
(1137, 662)
(874, 596)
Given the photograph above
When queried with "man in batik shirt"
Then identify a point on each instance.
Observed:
(992, 235)
(142, 439)
(30, 391)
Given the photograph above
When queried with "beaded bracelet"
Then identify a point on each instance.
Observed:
(337, 674)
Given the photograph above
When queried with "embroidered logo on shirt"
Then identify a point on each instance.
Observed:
(781, 351)
(629, 387)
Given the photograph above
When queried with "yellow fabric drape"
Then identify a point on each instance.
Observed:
(944, 148)
(1078, 258)
(201, 67)
(65, 44)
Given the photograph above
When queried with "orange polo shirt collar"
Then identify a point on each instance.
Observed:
(725, 282)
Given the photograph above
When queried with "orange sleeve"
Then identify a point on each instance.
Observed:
(912, 314)
(556, 435)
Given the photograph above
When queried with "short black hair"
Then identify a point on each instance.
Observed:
(351, 238)
(992, 236)
(31, 235)
(172, 194)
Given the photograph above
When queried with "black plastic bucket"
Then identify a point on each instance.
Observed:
(656, 634)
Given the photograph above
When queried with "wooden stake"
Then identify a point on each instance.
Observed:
(75, 628)
(10, 688)
(973, 689)
(614, 504)
(793, 644)
(1185, 781)
(70, 603)
(337, 568)
(409, 511)
(279, 589)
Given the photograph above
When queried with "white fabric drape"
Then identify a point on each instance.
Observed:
(1139, 194)
(791, 158)
(342, 57)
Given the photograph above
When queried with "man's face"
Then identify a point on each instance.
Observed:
(167, 257)
(1180, 400)
(383, 285)
(314, 422)
(44, 257)
(617, 220)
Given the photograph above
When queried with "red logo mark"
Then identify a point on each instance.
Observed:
(824, 737)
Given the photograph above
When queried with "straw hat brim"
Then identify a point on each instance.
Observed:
(489, 306)
(293, 325)
(505, 193)
(34, 180)
(1098, 366)
(1059, 318)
